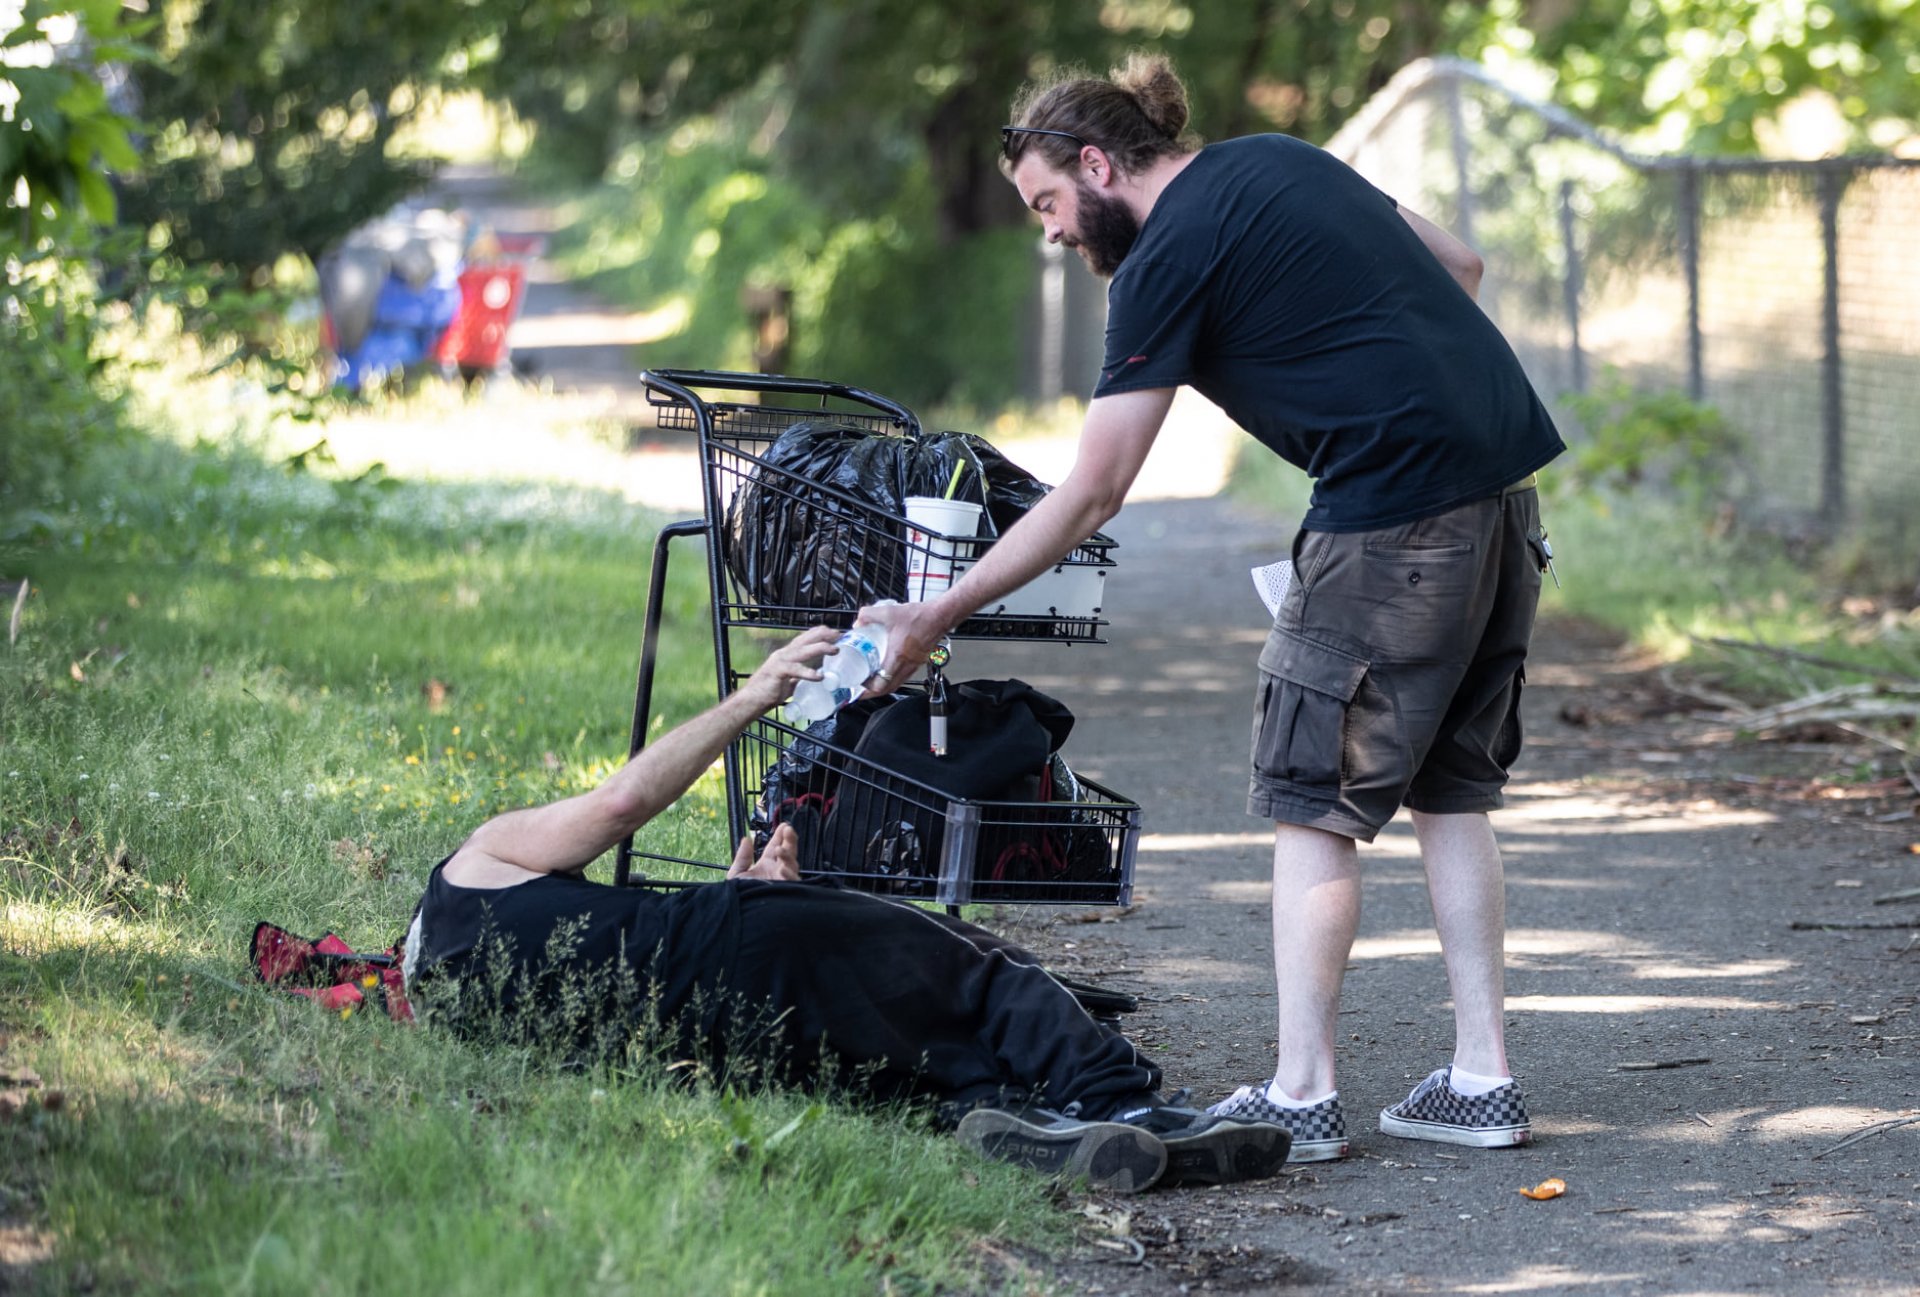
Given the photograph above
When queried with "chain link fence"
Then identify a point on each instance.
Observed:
(1786, 295)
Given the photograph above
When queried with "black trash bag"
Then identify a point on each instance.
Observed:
(791, 544)
(987, 477)
(930, 460)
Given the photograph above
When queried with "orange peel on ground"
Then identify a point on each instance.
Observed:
(1545, 1189)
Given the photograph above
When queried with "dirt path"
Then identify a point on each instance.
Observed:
(1651, 887)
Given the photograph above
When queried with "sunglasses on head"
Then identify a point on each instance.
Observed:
(1008, 132)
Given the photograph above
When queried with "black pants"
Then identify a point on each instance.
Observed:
(901, 1002)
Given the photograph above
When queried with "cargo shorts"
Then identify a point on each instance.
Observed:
(1393, 672)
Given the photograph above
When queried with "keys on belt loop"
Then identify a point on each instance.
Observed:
(1542, 551)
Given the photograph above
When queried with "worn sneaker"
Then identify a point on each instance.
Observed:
(1205, 1149)
(1437, 1111)
(1319, 1133)
(1111, 1156)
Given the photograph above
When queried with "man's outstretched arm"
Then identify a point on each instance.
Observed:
(1114, 441)
(566, 835)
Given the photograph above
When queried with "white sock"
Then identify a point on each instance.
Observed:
(1281, 1099)
(1472, 1084)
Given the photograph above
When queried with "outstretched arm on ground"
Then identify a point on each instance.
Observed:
(1114, 441)
(1460, 261)
(566, 835)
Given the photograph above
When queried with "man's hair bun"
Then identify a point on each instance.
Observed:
(1136, 114)
(1150, 79)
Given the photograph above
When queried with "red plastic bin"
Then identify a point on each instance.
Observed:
(490, 296)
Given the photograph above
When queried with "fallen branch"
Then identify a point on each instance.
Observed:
(1892, 898)
(1661, 1065)
(1795, 655)
(1878, 1128)
(1842, 708)
(1670, 681)
(1849, 702)
(1851, 925)
(1136, 1251)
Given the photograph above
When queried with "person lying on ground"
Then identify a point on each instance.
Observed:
(765, 977)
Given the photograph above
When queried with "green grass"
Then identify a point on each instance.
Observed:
(1664, 577)
(240, 693)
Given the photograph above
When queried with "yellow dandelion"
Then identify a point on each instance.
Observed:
(412, 760)
(456, 729)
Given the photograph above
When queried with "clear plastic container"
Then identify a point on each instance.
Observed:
(860, 652)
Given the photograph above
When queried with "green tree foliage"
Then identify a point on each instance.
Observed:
(61, 136)
(1707, 73)
(58, 137)
(273, 123)
(873, 90)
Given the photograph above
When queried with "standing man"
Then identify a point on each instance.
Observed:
(1341, 331)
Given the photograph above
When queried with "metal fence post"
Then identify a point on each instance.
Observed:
(1053, 322)
(1570, 286)
(1688, 201)
(1462, 155)
(1833, 430)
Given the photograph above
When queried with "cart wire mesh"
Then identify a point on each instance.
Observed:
(873, 830)
(841, 550)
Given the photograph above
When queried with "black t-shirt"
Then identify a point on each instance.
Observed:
(1290, 292)
(560, 952)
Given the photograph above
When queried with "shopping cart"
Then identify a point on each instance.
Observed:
(908, 838)
(493, 285)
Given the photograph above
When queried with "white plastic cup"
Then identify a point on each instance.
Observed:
(931, 521)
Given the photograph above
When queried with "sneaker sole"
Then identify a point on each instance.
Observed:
(1441, 1133)
(1108, 1155)
(1228, 1152)
(1318, 1150)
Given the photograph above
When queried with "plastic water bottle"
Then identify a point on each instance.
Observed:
(862, 650)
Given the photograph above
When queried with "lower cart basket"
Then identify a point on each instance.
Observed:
(877, 831)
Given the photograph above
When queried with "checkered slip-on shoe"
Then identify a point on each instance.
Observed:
(1110, 1156)
(1436, 1111)
(1205, 1149)
(1319, 1133)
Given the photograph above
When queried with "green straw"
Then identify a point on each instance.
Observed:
(954, 481)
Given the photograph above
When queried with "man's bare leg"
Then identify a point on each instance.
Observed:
(1466, 884)
(1316, 911)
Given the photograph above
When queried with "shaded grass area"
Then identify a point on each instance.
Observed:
(1664, 576)
(241, 693)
